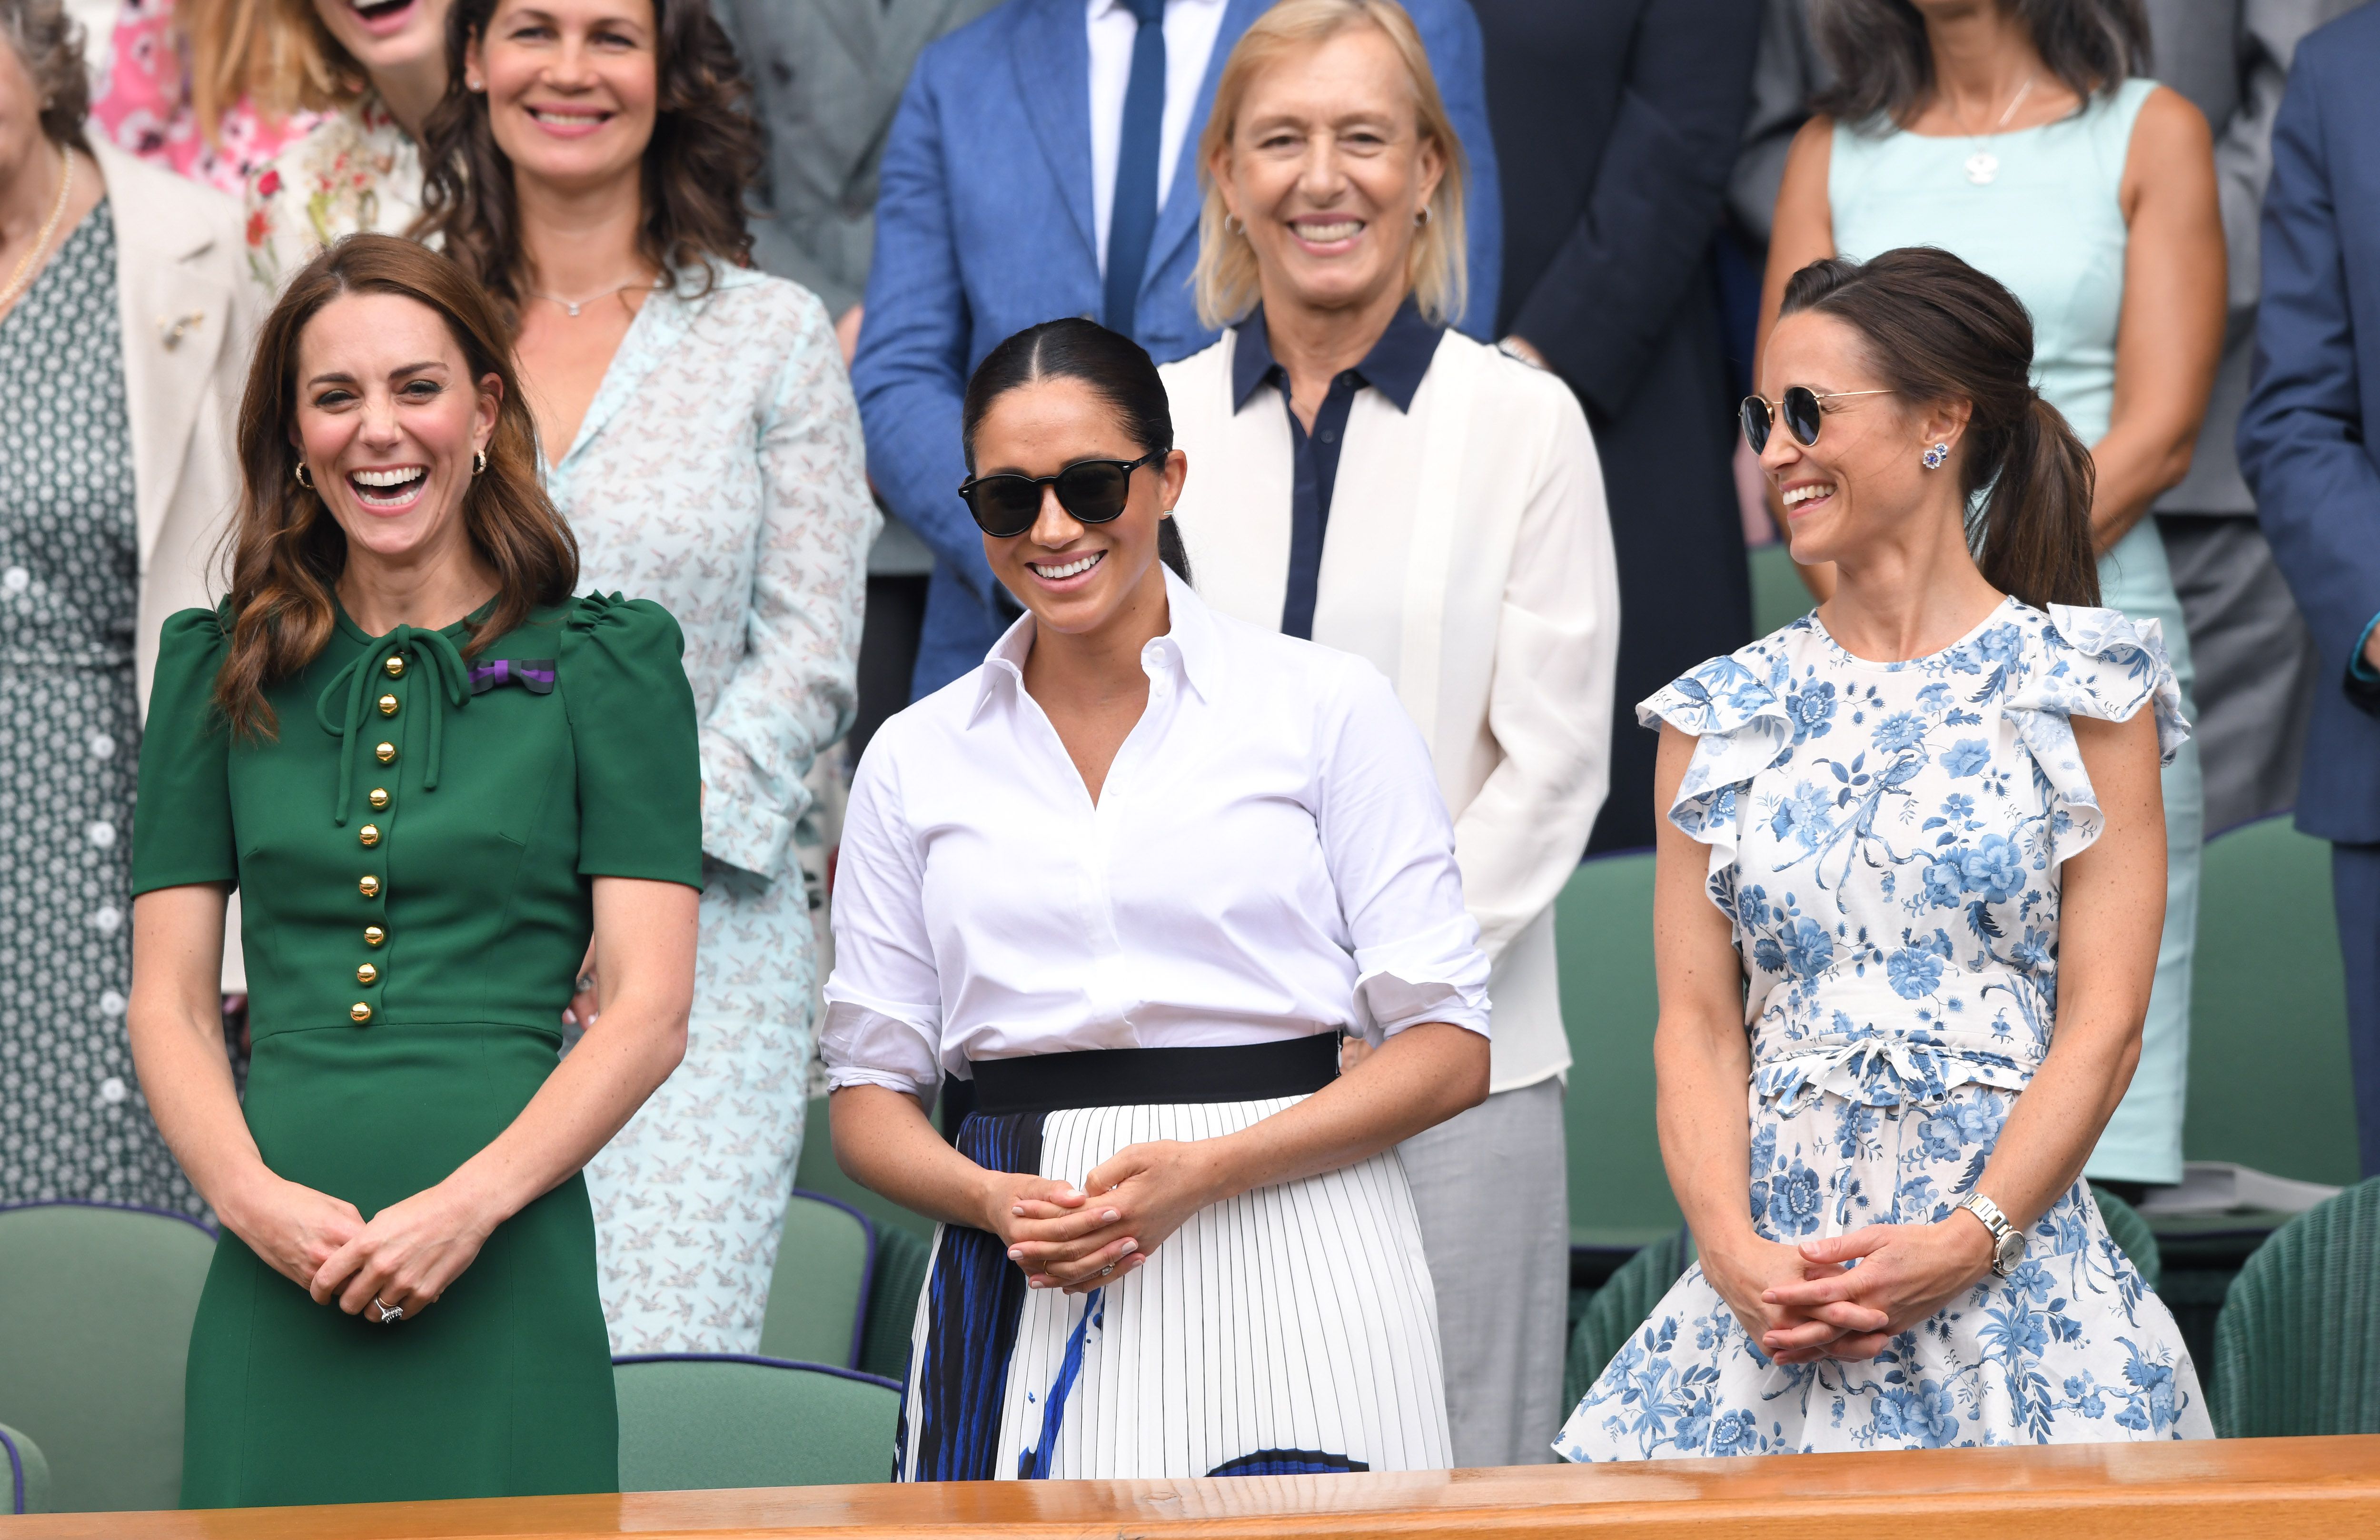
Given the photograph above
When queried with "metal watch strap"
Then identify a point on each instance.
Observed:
(1994, 1221)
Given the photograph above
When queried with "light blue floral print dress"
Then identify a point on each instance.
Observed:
(1886, 839)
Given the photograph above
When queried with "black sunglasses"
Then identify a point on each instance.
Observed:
(1092, 491)
(1801, 414)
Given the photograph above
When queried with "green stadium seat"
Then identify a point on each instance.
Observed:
(2269, 1084)
(1779, 596)
(698, 1421)
(24, 1474)
(2131, 1234)
(818, 1296)
(901, 1261)
(1619, 1307)
(2297, 1349)
(96, 1303)
(1603, 925)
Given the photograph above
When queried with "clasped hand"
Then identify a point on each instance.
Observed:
(407, 1253)
(1802, 1302)
(1067, 1237)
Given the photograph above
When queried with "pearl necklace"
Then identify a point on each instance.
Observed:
(1983, 165)
(16, 280)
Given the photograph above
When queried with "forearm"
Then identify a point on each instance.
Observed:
(2059, 1117)
(2135, 464)
(1702, 1069)
(1419, 1078)
(174, 1019)
(883, 1141)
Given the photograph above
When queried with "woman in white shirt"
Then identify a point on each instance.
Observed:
(1380, 483)
(1135, 877)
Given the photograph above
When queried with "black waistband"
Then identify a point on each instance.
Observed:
(1143, 1076)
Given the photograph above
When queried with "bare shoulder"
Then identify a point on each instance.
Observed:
(2170, 131)
(1812, 149)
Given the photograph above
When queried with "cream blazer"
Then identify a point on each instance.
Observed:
(1469, 558)
(188, 315)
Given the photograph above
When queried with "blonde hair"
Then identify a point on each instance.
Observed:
(274, 53)
(1437, 269)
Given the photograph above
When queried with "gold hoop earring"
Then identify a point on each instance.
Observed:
(478, 461)
(304, 479)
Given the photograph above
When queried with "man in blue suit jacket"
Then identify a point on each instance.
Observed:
(2308, 442)
(984, 226)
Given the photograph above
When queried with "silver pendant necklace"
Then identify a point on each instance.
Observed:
(571, 307)
(1983, 165)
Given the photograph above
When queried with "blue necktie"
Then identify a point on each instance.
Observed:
(1132, 217)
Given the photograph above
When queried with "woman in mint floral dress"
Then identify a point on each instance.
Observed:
(1937, 882)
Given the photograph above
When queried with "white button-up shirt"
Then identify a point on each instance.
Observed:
(1269, 858)
(1191, 27)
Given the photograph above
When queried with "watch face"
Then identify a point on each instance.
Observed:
(2010, 1252)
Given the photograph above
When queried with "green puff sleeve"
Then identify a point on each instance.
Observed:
(181, 825)
(632, 727)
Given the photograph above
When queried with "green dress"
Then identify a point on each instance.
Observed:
(415, 848)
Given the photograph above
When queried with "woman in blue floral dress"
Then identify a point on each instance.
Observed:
(1920, 944)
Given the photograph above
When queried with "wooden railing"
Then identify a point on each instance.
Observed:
(2270, 1488)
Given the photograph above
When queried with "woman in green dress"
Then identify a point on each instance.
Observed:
(434, 774)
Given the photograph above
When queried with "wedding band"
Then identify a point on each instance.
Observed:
(389, 1314)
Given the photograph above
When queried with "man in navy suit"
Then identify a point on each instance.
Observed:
(1031, 147)
(2308, 442)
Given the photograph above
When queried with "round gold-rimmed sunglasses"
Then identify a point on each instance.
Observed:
(1802, 411)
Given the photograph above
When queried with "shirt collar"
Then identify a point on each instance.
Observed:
(1191, 642)
(1394, 366)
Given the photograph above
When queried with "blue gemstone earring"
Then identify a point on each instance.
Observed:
(1933, 458)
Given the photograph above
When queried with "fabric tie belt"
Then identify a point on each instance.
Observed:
(434, 649)
(1863, 1039)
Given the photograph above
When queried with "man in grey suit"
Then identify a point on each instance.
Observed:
(2256, 663)
(827, 76)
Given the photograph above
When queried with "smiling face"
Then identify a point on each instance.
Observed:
(1864, 478)
(573, 87)
(1076, 578)
(388, 35)
(388, 420)
(1327, 168)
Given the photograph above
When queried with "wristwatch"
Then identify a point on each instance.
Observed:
(2008, 1242)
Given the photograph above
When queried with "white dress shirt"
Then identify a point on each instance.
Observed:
(1468, 557)
(1269, 858)
(1190, 29)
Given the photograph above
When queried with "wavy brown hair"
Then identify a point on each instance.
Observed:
(1937, 330)
(705, 156)
(1884, 64)
(49, 44)
(288, 551)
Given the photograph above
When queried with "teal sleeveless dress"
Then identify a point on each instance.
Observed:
(2049, 225)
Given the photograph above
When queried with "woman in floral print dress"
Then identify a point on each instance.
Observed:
(1941, 878)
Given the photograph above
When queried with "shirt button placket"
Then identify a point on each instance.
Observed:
(368, 967)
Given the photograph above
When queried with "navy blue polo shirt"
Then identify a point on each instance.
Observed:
(1394, 366)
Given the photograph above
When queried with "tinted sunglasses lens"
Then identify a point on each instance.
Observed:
(1005, 505)
(1094, 493)
(1753, 414)
(1802, 413)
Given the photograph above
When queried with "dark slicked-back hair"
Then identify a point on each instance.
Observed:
(1937, 330)
(1118, 370)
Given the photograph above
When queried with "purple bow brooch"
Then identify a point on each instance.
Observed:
(533, 674)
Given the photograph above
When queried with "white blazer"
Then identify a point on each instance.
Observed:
(188, 315)
(186, 318)
(1469, 558)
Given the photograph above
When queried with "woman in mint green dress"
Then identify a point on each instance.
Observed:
(2044, 161)
(433, 775)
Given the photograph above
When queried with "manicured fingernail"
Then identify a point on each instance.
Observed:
(1109, 1216)
(1015, 1253)
(1129, 1246)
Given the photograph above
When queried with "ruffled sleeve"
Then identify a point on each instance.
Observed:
(2098, 663)
(182, 824)
(622, 682)
(1732, 706)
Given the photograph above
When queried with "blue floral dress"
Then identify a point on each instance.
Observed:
(1886, 839)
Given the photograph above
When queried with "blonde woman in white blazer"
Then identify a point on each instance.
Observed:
(1372, 479)
(123, 332)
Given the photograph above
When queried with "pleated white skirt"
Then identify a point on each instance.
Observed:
(1290, 1329)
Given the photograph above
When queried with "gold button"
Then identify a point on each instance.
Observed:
(366, 974)
(368, 834)
(374, 935)
(360, 1012)
(368, 887)
(388, 706)
(385, 754)
(379, 798)
(396, 667)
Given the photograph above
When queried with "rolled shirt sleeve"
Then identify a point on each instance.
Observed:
(883, 1002)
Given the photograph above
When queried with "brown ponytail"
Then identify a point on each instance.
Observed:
(1938, 329)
